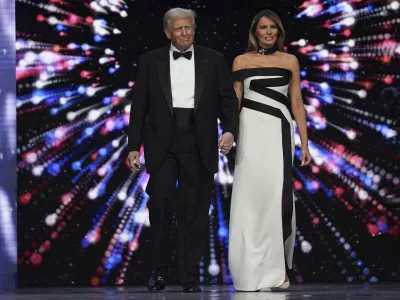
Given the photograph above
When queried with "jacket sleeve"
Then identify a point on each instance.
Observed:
(139, 106)
(229, 112)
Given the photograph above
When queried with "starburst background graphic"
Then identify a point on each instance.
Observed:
(82, 214)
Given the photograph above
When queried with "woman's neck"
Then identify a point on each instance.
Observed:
(267, 50)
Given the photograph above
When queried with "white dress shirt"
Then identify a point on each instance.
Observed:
(182, 79)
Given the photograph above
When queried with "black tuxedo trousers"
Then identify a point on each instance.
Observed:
(183, 165)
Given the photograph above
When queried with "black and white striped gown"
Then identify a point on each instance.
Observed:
(262, 220)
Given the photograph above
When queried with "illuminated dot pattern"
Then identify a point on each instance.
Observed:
(82, 213)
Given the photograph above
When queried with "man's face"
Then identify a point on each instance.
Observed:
(181, 33)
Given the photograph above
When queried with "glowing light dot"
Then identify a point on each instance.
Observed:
(324, 85)
(363, 194)
(140, 217)
(71, 116)
(22, 63)
(93, 193)
(40, 18)
(351, 134)
(388, 80)
(326, 67)
(130, 201)
(376, 178)
(66, 198)
(124, 237)
(108, 51)
(133, 246)
(349, 21)
(90, 91)
(51, 220)
(305, 246)
(31, 157)
(24, 199)
(58, 133)
(95, 281)
(348, 8)
(354, 65)
(63, 100)
(395, 5)
(43, 76)
(115, 143)
(319, 161)
(122, 195)
(37, 170)
(36, 258)
(302, 42)
(52, 20)
(46, 245)
(372, 228)
(93, 236)
(324, 53)
(213, 269)
(121, 93)
(39, 84)
(351, 43)
(93, 115)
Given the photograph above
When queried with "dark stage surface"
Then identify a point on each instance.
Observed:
(304, 291)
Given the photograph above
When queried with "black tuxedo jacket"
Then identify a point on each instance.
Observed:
(151, 115)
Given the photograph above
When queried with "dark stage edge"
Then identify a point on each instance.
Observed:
(384, 291)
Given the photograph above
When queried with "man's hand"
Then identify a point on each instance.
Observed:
(225, 142)
(134, 160)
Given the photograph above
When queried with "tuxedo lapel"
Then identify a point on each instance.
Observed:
(164, 74)
(200, 69)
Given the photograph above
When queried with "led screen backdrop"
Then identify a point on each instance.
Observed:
(82, 214)
(8, 204)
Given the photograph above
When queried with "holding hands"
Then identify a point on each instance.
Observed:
(134, 160)
(225, 143)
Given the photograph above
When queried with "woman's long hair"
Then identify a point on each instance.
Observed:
(253, 41)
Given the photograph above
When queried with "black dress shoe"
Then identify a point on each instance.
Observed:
(156, 281)
(191, 287)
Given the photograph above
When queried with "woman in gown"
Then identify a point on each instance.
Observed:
(262, 221)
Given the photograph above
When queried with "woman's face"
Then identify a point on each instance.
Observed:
(266, 32)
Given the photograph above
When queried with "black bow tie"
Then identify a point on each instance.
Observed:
(187, 54)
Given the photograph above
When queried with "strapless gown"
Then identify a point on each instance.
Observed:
(262, 219)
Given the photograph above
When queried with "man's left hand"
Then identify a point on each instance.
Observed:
(225, 142)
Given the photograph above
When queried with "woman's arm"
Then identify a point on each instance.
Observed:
(237, 84)
(298, 110)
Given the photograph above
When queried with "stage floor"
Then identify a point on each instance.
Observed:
(296, 292)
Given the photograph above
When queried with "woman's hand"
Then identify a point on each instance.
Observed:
(305, 156)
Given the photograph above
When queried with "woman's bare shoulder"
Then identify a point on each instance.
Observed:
(243, 57)
(241, 61)
(289, 61)
(290, 58)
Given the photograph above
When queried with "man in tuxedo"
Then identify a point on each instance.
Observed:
(179, 93)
